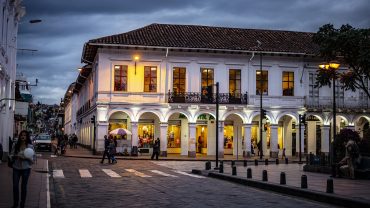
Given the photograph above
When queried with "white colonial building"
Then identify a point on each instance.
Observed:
(159, 82)
(10, 14)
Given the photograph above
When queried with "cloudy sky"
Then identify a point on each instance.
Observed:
(67, 25)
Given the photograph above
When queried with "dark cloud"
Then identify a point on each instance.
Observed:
(67, 25)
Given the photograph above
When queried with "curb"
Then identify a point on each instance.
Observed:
(171, 159)
(293, 191)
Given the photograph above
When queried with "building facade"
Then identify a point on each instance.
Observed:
(159, 82)
(10, 13)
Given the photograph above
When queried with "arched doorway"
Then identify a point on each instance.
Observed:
(121, 120)
(148, 130)
(233, 135)
(177, 134)
(266, 135)
(205, 134)
(288, 135)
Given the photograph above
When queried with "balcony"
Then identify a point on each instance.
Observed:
(197, 97)
(342, 104)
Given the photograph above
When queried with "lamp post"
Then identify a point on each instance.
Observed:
(332, 67)
(217, 104)
(262, 112)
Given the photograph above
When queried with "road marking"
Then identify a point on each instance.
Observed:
(162, 173)
(138, 173)
(111, 173)
(53, 156)
(58, 174)
(47, 185)
(84, 173)
(188, 174)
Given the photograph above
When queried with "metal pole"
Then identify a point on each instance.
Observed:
(300, 139)
(334, 124)
(237, 143)
(217, 91)
(261, 85)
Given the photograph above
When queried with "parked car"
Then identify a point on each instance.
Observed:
(43, 142)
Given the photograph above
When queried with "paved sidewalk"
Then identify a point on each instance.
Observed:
(86, 153)
(37, 188)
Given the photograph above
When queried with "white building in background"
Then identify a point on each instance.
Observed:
(158, 82)
(10, 14)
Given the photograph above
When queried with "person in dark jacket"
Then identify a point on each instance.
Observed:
(156, 149)
(21, 165)
(106, 149)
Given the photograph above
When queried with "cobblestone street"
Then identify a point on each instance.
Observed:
(152, 184)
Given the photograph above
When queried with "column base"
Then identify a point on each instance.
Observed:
(246, 154)
(163, 153)
(134, 151)
(274, 154)
(192, 154)
(220, 154)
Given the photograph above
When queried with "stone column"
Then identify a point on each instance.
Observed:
(134, 138)
(247, 139)
(221, 126)
(192, 140)
(274, 152)
(325, 140)
(164, 128)
(101, 131)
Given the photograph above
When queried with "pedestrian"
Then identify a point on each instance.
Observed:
(283, 156)
(74, 141)
(21, 166)
(112, 151)
(252, 149)
(106, 149)
(156, 149)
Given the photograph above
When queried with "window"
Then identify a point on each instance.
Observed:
(150, 79)
(179, 79)
(207, 81)
(264, 79)
(120, 78)
(234, 82)
(288, 83)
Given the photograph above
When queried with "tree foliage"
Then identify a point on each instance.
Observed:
(351, 47)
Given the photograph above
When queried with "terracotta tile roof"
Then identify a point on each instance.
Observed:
(206, 37)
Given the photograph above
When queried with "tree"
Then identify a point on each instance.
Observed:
(351, 47)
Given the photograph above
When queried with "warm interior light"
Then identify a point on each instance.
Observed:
(258, 72)
(136, 58)
(334, 65)
(116, 67)
(324, 66)
(79, 69)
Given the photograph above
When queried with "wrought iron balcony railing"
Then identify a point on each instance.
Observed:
(197, 97)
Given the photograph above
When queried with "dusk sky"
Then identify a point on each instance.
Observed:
(67, 25)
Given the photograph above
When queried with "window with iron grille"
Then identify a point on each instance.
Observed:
(264, 79)
(179, 79)
(235, 82)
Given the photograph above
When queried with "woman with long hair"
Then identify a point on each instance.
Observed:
(21, 166)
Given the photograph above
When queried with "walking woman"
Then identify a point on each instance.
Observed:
(22, 162)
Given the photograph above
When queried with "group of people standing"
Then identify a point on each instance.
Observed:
(110, 145)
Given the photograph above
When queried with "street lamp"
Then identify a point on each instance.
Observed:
(262, 111)
(332, 67)
(217, 105)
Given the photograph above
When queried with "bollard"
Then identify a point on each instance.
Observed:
(233, 170)
(329, 186)
(232, 163)
(249, 173)
(221, 170)
(277, 161)
(245, 163)
(266, 162)
(282, 178)
(255, 162)
(286, 160)
(264, 175)
(208, 165)
(304, 181)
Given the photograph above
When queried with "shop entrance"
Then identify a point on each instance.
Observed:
(201, 139)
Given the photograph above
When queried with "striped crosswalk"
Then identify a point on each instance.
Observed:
(85, 173)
